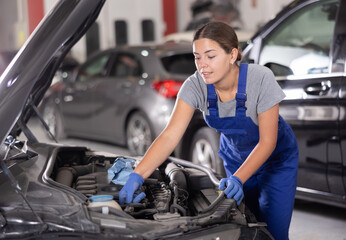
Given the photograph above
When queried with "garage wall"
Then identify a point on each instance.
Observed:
(255, 13)
(14, 28)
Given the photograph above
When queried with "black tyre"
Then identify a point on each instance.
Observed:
(204, 150)
(139, 134)
(52, 117)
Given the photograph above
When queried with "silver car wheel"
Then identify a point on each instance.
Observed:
(204, 150)
(139, 134)
(203, 153)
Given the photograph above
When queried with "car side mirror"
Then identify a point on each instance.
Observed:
(279, 69)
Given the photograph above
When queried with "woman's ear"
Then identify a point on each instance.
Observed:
(234, 55)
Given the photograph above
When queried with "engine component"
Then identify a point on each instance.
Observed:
(171, 191)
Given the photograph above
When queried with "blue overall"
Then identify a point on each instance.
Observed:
(270, 192)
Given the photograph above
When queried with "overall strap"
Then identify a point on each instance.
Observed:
(212, 101)
(241, 94)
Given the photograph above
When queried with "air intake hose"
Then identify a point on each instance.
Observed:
(176, 174)
(66, 175)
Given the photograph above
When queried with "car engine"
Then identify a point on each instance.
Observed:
(172, 190)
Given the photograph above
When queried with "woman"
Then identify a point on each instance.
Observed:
(258, 147)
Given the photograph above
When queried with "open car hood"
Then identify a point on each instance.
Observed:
(29, 75)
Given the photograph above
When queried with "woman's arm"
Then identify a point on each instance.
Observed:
(169, 138)
(268, 131)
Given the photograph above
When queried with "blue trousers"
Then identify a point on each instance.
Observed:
(270, 193)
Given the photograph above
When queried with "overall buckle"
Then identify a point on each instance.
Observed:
(241, 99)
(212, 101)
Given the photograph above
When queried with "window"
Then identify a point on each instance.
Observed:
(93, 39)
(301, 44)
(120, 32)
(179, 63)
(126, 65)
(95, 68)
(339, 61)
(148, 31)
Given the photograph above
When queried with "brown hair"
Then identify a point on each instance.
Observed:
(221, 33)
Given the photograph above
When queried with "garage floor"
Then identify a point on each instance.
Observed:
(317, 221)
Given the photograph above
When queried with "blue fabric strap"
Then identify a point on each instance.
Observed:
(241, 94)
(212, 101)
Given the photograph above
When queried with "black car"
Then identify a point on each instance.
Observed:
(48, 191)
(305, 47)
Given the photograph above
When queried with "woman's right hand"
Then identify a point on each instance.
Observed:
(131, 192)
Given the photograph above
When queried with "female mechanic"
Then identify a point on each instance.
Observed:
(241, 101)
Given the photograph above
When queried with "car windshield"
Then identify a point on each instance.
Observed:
(303, 41)
(179, 63)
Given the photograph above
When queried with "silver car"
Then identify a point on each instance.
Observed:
(125, 96)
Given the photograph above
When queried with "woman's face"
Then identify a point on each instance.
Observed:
(212, 62)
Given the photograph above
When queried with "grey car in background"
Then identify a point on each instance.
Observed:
(125, 96)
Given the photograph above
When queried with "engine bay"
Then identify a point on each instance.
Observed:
(61, 184)
(172, 190)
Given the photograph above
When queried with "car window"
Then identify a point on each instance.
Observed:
(301, 44)
(94, 68)
(339, 42)
(126, 65)
(179, 63)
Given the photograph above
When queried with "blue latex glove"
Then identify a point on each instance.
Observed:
(233, 188)
(131, 192)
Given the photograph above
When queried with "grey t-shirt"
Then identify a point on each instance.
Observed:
(263, 92)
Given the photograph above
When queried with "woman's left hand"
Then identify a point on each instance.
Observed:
(233, 188)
